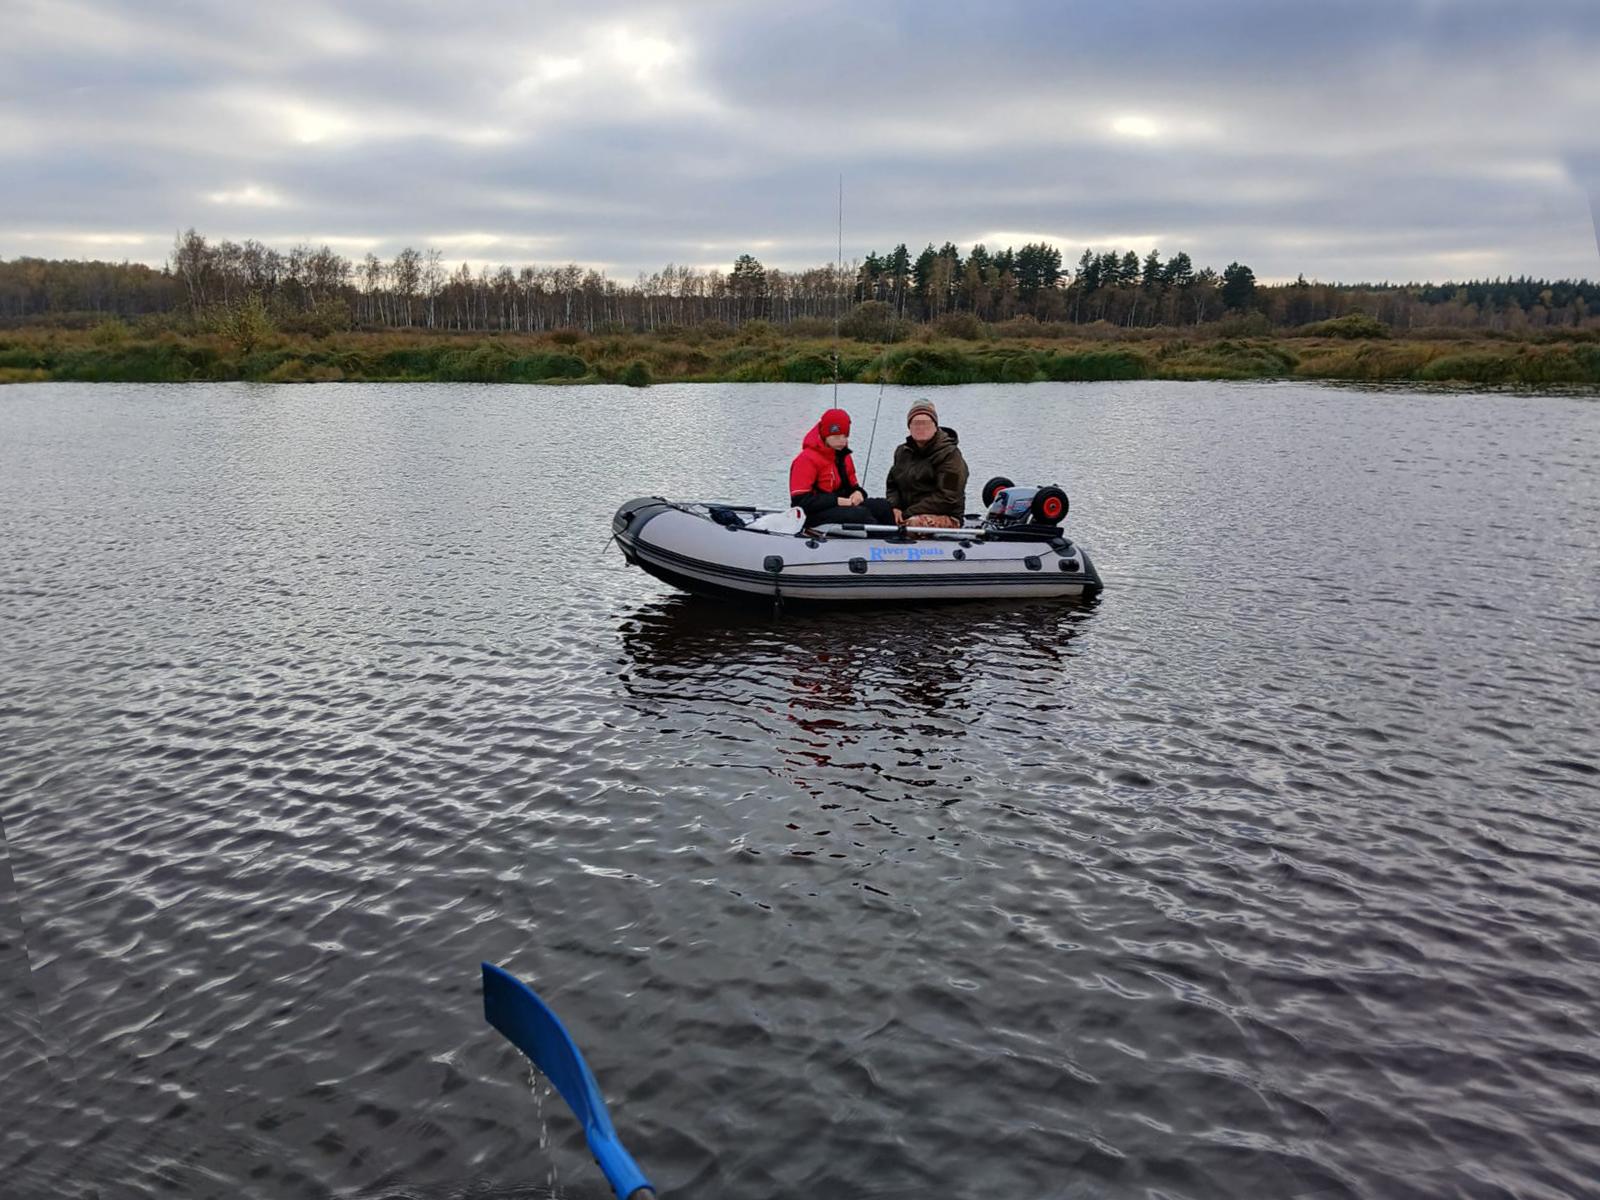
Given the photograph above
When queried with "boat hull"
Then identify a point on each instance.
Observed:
(682, 546)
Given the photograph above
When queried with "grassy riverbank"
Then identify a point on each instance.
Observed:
(1351, 349)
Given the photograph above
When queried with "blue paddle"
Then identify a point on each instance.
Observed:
(528, 1024)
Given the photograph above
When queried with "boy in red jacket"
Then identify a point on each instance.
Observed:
(822, 478)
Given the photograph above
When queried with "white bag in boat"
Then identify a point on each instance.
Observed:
(792, 521)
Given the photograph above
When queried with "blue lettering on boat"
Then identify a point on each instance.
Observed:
(908, 553)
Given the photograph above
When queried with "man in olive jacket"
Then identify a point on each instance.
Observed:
(928, 482)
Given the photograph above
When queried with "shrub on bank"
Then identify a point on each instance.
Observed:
(262, 364)
(1442, 333)
(1569, 333)
(1020, 368)
(1024, 326)
(20, 357)
(1565, 365)
(869, 321)
(1352, 325)
(413, 362)
(858, 367)
(113, 332)
(1470, 368)
(1252, 324)
(962, 325)
(487, 362)
(806, 368)
(809, 327)
(533, 368)
(1225, 359)
(1577, 364)
(1369, 361)
(931, 366)
(677, 362)
(1063, 366)
(165, 361)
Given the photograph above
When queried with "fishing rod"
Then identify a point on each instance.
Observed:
(838, 277)
(866, 467)
(883, 378)
(838, 293)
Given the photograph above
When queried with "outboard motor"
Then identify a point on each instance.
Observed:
(1016, 507)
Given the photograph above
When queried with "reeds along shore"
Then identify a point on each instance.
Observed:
(1357, 349)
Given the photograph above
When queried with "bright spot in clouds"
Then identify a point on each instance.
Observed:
(464, 241)
(643, 54)
(553, 69)
(606, 58)
(1134, 126)
(76, 239)
(249, 196)
(309, 125)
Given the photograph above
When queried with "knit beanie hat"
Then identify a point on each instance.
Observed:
(923, 406)
(835, 420)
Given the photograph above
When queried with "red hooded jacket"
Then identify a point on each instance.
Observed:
(818, 469)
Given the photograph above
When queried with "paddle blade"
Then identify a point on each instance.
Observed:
(513, 1008)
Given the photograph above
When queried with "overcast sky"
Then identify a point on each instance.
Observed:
(1396, 139)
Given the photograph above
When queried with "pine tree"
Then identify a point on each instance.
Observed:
(748, 283)
(1238, 286)
(1152, 278)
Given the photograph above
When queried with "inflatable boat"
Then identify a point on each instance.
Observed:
(1015, 550)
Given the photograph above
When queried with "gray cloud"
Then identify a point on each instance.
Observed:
(1345, 140)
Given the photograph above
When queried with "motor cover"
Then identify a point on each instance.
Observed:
(1011, 507)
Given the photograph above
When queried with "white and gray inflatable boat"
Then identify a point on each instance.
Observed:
(1012, 552)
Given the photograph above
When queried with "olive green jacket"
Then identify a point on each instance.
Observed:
(929, 480)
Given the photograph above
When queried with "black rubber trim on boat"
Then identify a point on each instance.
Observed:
(858, 566)
(636, 514)
(762, 580)
(763, 596)
(1093, 584)
(762, 600)
(772, 563)
(1033, 563)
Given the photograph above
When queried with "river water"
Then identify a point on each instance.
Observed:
(1274, 873)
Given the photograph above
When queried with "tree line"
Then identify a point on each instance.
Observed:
(316, 289)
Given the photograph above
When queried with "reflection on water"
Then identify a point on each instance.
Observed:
(867, 703)
(1273, 874)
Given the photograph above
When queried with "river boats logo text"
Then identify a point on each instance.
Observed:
(909, 553)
